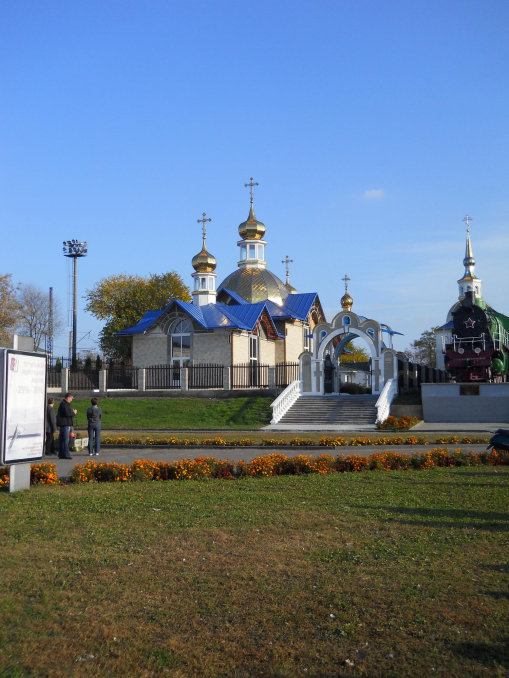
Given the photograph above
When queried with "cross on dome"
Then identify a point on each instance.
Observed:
(251, 184)
(346, 280)
(467, 218)
(346, 299)
(287, 261)
(203, 222)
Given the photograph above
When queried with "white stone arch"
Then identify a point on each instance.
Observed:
(343, 331)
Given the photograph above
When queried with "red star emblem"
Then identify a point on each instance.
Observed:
(469, 323)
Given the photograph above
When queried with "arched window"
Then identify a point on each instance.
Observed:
(371, 332)
(323, 334)
(181, 342)
(346, 320)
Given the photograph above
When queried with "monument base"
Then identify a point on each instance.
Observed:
(19, 477)
(470, 403)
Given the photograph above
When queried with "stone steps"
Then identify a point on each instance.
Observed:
(328, 410)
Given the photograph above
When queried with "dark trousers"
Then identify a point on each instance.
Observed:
(50, 443)
(63, 443)
(94, 438)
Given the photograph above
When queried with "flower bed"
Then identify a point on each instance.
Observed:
(397, 424)
(279, 464)
(40, 474)
(325, 441)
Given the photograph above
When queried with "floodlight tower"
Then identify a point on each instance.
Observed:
(74, 249)
(49, 346)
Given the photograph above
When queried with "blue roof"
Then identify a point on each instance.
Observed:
(299, 305)
(234, 295)
(211, 316)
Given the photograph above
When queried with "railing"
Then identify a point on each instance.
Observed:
(500, 337)
(83, 380)
(121, 377)
(286, 373)
(285, 400)
(250, 375)
(53, 377)
(383, 404)
(162, 377)
(205, 376)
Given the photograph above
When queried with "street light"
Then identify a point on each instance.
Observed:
(74, 249)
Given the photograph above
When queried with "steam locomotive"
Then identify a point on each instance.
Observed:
(479, 346)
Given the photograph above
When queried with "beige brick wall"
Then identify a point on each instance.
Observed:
(150, 349)
(294, 342)
(279, 351)
(212, 347)
(240, 349)
(267, 352)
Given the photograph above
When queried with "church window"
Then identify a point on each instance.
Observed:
(211, 283)
(181, 342)
(371, 332)
(252, 251)
(346, 320)
(323, 334)
(477, 290)
(203, 283)
(461, 290)
(307, 342)
(243, 253)
(196, 284)
(253, 348)
(260, 252)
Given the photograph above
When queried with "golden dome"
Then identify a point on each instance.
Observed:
(204, 262)
(346, 302)
(291, 289)
(256, 284)
(252, 229)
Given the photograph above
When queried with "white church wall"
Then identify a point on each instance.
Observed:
(279, 351)
(150, 349)
(212, 347)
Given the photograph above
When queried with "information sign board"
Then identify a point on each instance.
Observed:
(23, 406)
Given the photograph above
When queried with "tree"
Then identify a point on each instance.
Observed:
(122, 300)
(9, 308)
(423, 350)
(358, 354)
(34, 314)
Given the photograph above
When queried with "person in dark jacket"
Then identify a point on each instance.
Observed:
(51, 427)
(94, 415)
(65, 418)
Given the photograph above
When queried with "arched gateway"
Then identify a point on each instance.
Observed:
(328, 343)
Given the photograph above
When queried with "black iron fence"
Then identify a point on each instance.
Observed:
(162, 377)
(250, 375)
(121, 377)
(83, 380)
(205, 376)
(286, 373)
(53, 376)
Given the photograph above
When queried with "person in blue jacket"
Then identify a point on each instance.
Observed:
(94, 416)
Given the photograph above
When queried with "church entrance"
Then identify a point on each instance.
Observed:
(347, 366)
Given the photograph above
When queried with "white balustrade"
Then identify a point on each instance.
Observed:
(285, 400)
(383, 404)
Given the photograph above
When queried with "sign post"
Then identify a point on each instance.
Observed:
(23, 413)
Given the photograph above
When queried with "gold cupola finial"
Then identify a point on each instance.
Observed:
(346, 299)
(468, 261)
(204, 262)
(251, 229)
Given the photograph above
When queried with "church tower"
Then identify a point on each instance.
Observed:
(469, 282)
(204, 264)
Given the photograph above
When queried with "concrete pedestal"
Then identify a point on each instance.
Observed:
(19, 477)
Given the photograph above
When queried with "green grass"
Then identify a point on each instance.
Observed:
(179, 413)
(400, 573)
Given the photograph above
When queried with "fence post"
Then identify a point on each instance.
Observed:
(272, 377)
(227, 379)
(65, 380)
(184, 379)
(141, 379)
(103, 375)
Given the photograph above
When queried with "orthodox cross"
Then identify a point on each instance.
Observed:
(287, 261)
(251, 184)
(346, 279)
(203, 221)
(467, 218)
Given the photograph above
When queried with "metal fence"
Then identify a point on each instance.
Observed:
(286, 373)
(121, 377)
(162, 377)
(205, 376)
(250, 375)
(83, 380)
(53, 376)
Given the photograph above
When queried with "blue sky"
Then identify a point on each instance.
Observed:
(372, 128)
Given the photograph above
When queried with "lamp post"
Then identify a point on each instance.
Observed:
(74, 249)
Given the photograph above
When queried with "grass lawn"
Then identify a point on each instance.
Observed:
(412, 397)
(178, 413)
(391, 575)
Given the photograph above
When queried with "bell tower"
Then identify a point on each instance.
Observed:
(204, 264)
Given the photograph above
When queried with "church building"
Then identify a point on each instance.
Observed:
(250, 318)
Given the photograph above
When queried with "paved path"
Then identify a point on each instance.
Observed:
(128, 455)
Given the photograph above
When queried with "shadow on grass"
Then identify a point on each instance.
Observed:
(497, 567)
(459, 514)
(498, 595)
(490, 655)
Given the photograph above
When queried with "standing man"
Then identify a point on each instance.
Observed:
(51, 427)
(94, 415)
(65, 418)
